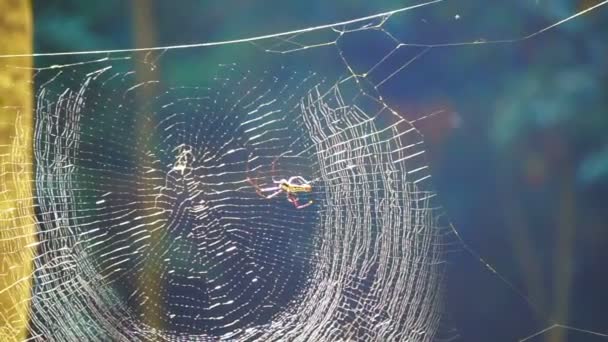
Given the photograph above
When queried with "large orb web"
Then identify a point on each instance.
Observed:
(155, 222)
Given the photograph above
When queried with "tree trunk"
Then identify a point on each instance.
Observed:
(17, 220)
(144, 33)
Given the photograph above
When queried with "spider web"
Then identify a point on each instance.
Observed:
(150, 220)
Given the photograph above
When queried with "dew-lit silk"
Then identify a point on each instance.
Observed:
(170, 219)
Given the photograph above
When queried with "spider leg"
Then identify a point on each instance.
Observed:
(296, 203)
(299, 178)
(273, 194)
(301, 206)
(261, 191)
(291, 198)
(272, 188)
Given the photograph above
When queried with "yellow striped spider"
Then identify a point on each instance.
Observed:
(291, 187)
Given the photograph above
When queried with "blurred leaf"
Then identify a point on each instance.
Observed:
(594, 169)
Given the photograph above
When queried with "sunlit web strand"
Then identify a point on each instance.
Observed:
(316, 28)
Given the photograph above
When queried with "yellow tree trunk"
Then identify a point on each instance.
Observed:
(17, 220)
